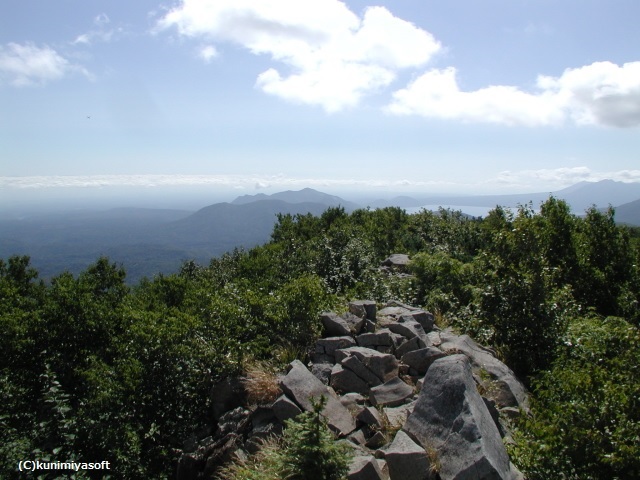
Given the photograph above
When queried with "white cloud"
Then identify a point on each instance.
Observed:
(101, 33)
(507, 181)
(562, 177)
(207, 53)
(602, 93)
(24, 65)
(333, 57)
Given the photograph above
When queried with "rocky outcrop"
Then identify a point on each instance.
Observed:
(410, 399)
(451, 418)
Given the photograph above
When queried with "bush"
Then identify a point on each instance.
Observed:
(586, 409)
(306, 451)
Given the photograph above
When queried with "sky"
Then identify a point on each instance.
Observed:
(498, 96)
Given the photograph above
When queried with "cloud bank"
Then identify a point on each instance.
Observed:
(534, 180)
(602, 93)
(27, 64)
(332, 57)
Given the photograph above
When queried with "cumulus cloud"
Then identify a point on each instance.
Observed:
(602, 93)
(28, 64)
(332, 56)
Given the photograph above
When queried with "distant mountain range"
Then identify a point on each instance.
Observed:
(149, 241)
(580, 197)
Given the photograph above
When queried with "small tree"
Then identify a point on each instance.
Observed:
(306, 451)
(310, 451)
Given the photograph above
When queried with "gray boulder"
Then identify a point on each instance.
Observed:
(451, 417)
(363, 309)
(364, 468)
(420, 360)
(344, 380)
(415, 343)
(383, 365)
(507, 386)
(334, 326)
(301, 386)
(372, 340)
(284, 409)
(397, 261)
(392, 393)
(407, 460)
(356, 366)
(426, 319)
(322, 371)
(408, 328)
(329, 345)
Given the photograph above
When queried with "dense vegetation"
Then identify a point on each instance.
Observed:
(92, 369)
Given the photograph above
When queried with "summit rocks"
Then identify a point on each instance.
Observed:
(404, 394)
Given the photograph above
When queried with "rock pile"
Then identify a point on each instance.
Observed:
(413, 401)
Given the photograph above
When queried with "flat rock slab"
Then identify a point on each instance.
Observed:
(301, 386)
(451, 417)
(390, 394)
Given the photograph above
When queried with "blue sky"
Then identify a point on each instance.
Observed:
(405, 95)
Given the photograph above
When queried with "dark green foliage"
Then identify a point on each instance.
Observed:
(586, 421)
(310, 450)
(94, 369)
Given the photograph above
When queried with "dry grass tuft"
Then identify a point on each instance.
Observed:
(260, 383)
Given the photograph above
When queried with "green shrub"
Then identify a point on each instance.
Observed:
(586, 408)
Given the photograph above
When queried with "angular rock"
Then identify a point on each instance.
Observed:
(364, 468)
(377, 440)
(227, 395)
(407, 460)
(383, 365)
(284, 409)
(334, 326)
(392, 393)
(322, 371)
(398, 261)
(363, 308)
(354, 322)
(396, 416)
(329, 345)
(356, 366)
(301, 386)
(344, 380)
(371, 417)
(408, 329)
(357, 437)
(415, 343)
(483, 358)
(373, 340)
(426, 319)
(420, 360)
(451, 417)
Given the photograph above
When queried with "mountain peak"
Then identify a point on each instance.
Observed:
(306, 195)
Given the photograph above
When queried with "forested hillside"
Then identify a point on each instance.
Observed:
(93, 369)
